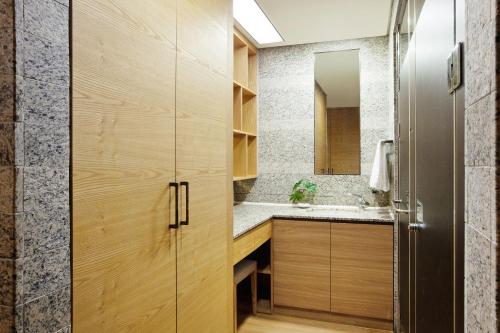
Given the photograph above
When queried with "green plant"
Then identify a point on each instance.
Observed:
(302, 190)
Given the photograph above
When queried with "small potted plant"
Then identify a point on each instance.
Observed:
(303, 193)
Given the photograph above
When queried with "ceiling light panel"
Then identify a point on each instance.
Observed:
(251, 17)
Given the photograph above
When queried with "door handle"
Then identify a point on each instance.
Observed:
(403, 211)
(186, 185)
(415, 226)
(176, 224)
(398, 210)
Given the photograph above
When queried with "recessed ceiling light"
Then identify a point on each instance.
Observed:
(251, 17)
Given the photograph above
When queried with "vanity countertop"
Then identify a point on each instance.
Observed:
(249, 215)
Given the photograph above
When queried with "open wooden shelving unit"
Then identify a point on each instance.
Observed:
(244, 108)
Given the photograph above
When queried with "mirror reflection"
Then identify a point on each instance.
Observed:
(337, 113)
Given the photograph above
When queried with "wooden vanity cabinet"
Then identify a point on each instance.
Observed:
(362, 270)
(301, 255)
(339, 268)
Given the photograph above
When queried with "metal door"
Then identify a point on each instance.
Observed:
(434, 169)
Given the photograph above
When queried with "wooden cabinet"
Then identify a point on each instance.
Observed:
(362, 270)
(301, 255)
(342, 268)
(150, 94)
(202, 96)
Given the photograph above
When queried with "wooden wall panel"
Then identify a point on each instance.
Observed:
(321, 162)
(362, 267)
(123, 141)
(344, 141)
(301, 257)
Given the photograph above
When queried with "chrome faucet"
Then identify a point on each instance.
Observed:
(362, 203)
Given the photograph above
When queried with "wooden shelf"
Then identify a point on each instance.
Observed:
(251, 155)
(235, 179)
(235, 131)
(246, 91)
(244, 108)
(239, 155)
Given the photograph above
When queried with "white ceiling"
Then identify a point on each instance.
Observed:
(338, 75)
(303, 21)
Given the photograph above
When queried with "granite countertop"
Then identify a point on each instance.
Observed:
(249, 215)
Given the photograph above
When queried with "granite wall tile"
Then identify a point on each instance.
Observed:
(45, 61)
(480, 185)
(480, 132)
(19, 288)
(18, 319)
(19, 144)
(7, 189)
(46, 189)
(7, 13)
(49, 313)
(19, 223)
(7, 97)
(480, 50)
(18, 112)
(493, 287)
(7, 55)
(7, 236)
(47, 19)
(7, 282)
(63, 2)
(65, 330)
(7, 135)
(7, 320)
(46, 273)
(45, 231)
(478, 282)
(19, 37)
(286, 121)
(46, 144)
(39, 184)
(19, 190)
(44, 102)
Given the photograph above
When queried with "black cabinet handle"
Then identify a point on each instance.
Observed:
(176, 224)
(186, 185)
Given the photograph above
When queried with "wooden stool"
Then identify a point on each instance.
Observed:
(242, 270)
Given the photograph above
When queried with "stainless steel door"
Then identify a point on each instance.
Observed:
(434, 168)
(404, 178)
(431, 172)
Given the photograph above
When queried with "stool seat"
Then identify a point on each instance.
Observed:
(243, 269)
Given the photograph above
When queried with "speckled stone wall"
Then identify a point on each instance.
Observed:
(7, 166)
(286, 122)
(481, 156)
(34, 167)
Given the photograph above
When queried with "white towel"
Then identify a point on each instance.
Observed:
(379, 179)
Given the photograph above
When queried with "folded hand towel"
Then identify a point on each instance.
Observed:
(379, 179)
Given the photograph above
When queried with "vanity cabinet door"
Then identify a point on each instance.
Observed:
(301, 251)
(362, 270)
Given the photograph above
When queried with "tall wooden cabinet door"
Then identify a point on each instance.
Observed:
(301, 258)
(123, 142)
(203, 95)
(362, 265)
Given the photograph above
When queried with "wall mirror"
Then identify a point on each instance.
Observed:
(337, 142)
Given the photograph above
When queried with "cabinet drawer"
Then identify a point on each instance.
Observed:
(249, 242)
